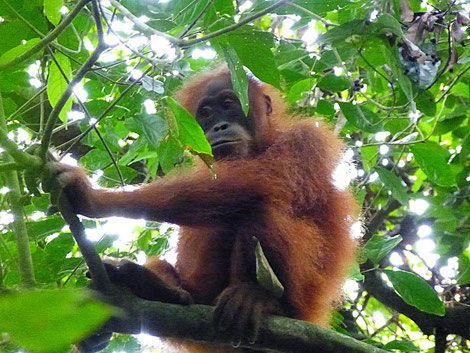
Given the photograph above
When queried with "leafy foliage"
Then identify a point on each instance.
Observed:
(391, 77)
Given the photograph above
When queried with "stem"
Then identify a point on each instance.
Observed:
(48, 38)
(92, 259)
(23, 158)
(25, 262)
(52, 120)
(8, 167)
(106, 111)
(87, 113)
(142, 26)
(188, 43)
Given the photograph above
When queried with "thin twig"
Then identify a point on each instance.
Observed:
(106, 111)
(51, 121)
(88, 115)
(182, 43)
(47, 38)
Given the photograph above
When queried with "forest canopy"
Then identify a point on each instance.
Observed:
(90, 82)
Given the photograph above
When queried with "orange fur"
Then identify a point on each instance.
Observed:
(283, 195)
(305, 225)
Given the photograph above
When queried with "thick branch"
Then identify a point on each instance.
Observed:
(7, 167)
(22, 158)
(456, 320)
(95, 265)
(194, 322)
(25, 261)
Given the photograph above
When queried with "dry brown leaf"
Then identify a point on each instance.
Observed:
(406, 14)
(457, 33)
(416, 31)
(462, 19)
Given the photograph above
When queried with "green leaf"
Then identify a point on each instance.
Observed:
(253, 49)
(391, 56)
(50, 320)
(339, 34)
(361, 117)
(403, 346)
(321, 7)
(170, 153)
(40, 229)
(369, 157)
(355, 273)
(284, 58)
(334, 83)
(448, 124)
(52, 10)
(446, 220)
(464, 268)
(379, 246)
(425, 102)
(189, 133)
(415, 291)
(237, 73)
(265, 275)
(56, 84)
(386, 23)
(393, 183)
(16, 51)
(432, 158)
(297, 90)
(152, 127)
(325, 108)
(95, 160)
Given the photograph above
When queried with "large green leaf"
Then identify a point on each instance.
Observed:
(265, 275)
(415, 291)
(393, 183)
(391, 55)
(334, 83)
(378, 247)
(50, 320)
(152, 127)
(290, 56)
(95, 160)
(361, 117)
(321, 7)
(238, 75)
(386, 23)
(16, 51)
(188, 131)
(464, 268)
(297, 90)
(433, 159)
(52, 10)
(253, 49)
(369, 157)
(57, 84)
(403, 346)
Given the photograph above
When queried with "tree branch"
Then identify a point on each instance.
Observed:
(456, 320)
(25, 262)
(22, 158)
(95, 265)
(48, 38)
(194, 323)
(51, 121)
(7, 167)
(182, 43)
(206, 37)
